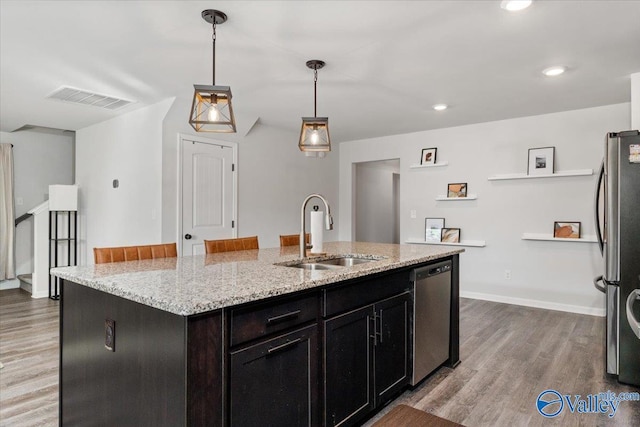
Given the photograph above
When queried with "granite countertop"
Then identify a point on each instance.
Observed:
(200, 283)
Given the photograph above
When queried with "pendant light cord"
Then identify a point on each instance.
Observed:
(213, 38)
(315, 84)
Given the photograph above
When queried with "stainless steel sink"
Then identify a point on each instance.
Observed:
(312, 266)
(345, 261)
(331, 264)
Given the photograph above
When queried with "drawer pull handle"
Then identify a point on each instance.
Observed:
(283, 346)
(283, 317)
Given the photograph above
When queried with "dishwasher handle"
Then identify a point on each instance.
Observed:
(438, 270)
(431, 270)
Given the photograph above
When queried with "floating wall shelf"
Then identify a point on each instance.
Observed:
(444, 163)
(579, 172)
(550, 238)
(457, 199)
(470, 243)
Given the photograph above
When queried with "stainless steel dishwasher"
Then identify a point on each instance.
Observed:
(432, 315)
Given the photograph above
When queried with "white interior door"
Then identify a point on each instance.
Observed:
(208, 193)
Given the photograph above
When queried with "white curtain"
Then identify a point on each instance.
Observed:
(7, 214)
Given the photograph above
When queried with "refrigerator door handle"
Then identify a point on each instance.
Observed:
(597, 210)
(633, 322)
(611, 238)
(601, 288)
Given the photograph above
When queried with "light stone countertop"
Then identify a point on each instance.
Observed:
(196, 284)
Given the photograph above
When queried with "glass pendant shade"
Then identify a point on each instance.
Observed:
(211, 109)
(314, 136)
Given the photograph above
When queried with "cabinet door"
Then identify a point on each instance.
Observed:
(391, 346)
(275, 383)
(348, 358)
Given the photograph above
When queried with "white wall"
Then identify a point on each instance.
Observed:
(635, 101)
(274, 177)
(140, 149)
(127, 148)
(549, 274)
(40, 159)
(375, 218)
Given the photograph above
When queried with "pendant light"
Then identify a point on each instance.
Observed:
(314, 135)
(211, 109)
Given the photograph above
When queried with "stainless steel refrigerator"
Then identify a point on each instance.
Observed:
(618, 230)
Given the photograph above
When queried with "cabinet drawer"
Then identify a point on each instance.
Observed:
(255, 321)
(351, 296)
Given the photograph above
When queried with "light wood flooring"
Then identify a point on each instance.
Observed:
(509, 355)
(29, 353)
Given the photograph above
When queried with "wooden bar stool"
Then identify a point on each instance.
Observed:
(293, 239)
(229, 245)
(134, 253)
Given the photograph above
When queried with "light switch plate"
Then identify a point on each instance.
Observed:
(413, 213)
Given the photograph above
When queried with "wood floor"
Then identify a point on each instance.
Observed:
(29, 353)
(509, 354)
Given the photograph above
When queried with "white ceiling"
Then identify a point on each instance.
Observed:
(388, 62)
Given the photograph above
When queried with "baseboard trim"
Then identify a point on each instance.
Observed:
(40, 295)
(599, 312)
(9, 284)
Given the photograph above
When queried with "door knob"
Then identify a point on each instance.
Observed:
(188, 236)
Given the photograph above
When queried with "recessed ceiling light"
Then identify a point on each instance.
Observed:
(515, 5)
(554, 71)
(440, 107)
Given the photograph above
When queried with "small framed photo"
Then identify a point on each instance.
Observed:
(428, 156)
(457, 190)
(541, 161)
(566, 230)
(450, 235)
(432, 227)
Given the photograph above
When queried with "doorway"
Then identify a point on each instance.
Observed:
(208, 192)
(377, 201)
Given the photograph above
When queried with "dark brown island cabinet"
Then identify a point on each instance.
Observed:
(329, 356)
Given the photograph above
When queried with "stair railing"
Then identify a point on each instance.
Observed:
(23, 217)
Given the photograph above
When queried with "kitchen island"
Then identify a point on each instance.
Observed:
(241, 338)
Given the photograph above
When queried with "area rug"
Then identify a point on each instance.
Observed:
(406, 416)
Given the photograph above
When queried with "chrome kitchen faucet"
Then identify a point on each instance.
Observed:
(327, 219)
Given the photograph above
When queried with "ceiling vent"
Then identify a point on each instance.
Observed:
(77, 96)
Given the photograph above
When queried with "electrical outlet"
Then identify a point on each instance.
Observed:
(413, 213)
(507, 274)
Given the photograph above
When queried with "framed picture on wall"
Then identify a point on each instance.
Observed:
(428, 156)
(566, 230)
(450, 235)
(457, 190)
(541, 161)
(432, 227)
